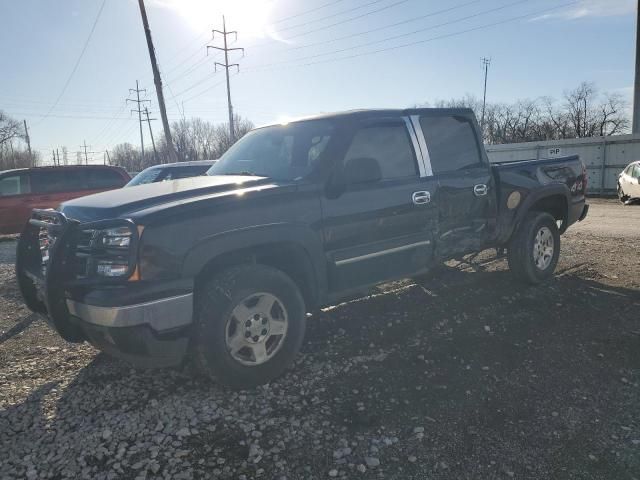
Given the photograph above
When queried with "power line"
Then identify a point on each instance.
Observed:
(157, 81)
(153, 143)
(306, 12)
(485, 64)
(439, 37)
(86, 159)
(352, 9)
(395, 37)
(204, 91)
(384, 27)
(75, 67)
(226, 65)
(357, 17)
(137, 100)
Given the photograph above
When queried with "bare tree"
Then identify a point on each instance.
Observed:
(13, 151)
(583, 112)
(10, 129)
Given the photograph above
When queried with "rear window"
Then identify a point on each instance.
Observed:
(104, 178)
(57, 180)
(451, 142)
(14, 185)
(389, 145)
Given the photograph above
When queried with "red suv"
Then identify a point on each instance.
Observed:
(45, 187)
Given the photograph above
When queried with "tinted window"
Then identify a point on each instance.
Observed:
(283, 152)
(451, 142)
(390, 145)
(103, 178)
(57, 180)
(636, 171)
(14, 185)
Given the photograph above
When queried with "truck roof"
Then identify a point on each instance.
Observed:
(376, 112)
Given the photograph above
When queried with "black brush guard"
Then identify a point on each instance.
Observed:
(44, 285)
(43, 289)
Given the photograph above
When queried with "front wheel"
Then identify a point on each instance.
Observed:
(621, 195)
(534, 249)
(249, 325)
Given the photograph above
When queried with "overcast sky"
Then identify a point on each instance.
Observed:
(301, 57)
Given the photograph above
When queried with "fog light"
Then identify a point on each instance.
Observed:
(108, 268)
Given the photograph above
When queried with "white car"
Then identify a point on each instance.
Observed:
(629, 183)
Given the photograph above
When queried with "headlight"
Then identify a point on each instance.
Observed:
(115, 237)
(107, 250)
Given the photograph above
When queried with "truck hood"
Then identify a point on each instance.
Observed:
(125, 201)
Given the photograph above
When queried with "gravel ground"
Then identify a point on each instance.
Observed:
(468, 375)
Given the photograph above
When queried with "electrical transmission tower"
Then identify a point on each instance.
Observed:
(153, 143)
(485, 64)
(86, 158)
(226, 65)
(137, 100)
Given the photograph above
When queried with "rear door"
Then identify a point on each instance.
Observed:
(465, 184)
(52, 186)
(380, 230)
(14, 201)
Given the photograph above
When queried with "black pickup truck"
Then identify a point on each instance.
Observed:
(223, 268)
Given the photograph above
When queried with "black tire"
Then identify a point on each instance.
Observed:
(213, 320)
(520, 252)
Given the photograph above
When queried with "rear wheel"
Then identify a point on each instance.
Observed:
(250, 323)
(535, 248)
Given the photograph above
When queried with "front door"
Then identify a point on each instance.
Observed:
(380, 225)
(466, 189)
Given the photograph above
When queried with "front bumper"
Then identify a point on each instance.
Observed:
(146, 326)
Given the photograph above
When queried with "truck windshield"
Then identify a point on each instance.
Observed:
(283, 152)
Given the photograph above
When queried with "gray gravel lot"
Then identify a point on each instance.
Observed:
(468, 375)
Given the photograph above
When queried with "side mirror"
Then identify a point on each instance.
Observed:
(362, 170)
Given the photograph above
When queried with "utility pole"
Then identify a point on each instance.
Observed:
(155, 153)
(26, 137)
(226, 66)
(58, 155)
(139, 110)
(636, 89)
(108, 157)
(485, 63)
(158, 83)
(53, 153)
(86, 158)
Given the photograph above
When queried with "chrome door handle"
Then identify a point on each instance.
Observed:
(480, 190)
(421, 198)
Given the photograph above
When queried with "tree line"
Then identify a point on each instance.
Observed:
(193, 139)
(581, 112)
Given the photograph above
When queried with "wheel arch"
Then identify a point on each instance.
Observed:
(296, 250)
(552, 199)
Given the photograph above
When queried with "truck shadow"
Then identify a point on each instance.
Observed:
(472, 356)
